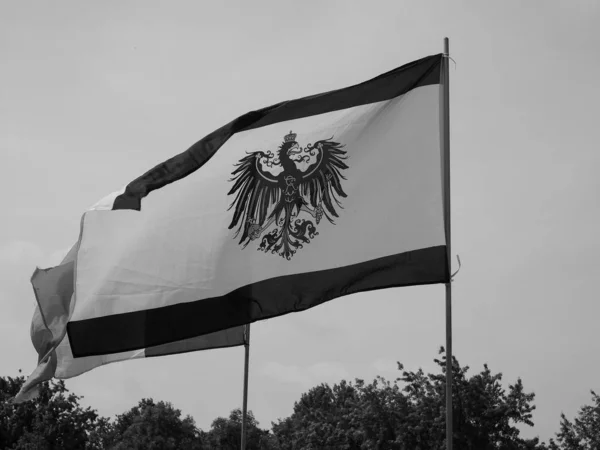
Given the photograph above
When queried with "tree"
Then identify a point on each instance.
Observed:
(484, 414)
(226, 433)
(584, 432)
(153, 426)
(342, 416)
(409, 413)
(54, 420)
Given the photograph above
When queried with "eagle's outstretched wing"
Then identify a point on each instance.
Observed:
(256, 191)
(321, 181)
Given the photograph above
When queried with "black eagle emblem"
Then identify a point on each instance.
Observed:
(274, 190)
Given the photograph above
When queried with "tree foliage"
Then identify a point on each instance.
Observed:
(226, 433)
(153, 426)
(55, 420)
(584, 432)
(409, 413)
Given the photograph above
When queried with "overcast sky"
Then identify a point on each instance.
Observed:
(92, 94)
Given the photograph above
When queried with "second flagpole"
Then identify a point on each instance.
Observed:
(245, 400)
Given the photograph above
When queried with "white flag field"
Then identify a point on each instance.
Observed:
(278, 211)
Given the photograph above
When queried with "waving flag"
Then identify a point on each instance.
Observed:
(278, 211)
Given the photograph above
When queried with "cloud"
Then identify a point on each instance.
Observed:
(20, 252)
(56, 257)
(323, 372)
(383, 366)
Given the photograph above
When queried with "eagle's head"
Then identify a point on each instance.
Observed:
(289, 149)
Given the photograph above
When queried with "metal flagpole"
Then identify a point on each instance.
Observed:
(446, 151)
(245, 401)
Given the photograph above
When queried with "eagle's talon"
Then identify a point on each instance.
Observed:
(254, 231)
(318, 213)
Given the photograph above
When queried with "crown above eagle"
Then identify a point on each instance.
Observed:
(290, 137)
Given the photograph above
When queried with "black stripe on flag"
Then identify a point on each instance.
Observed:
(392, 84)
(257, 301)
(232, 337)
